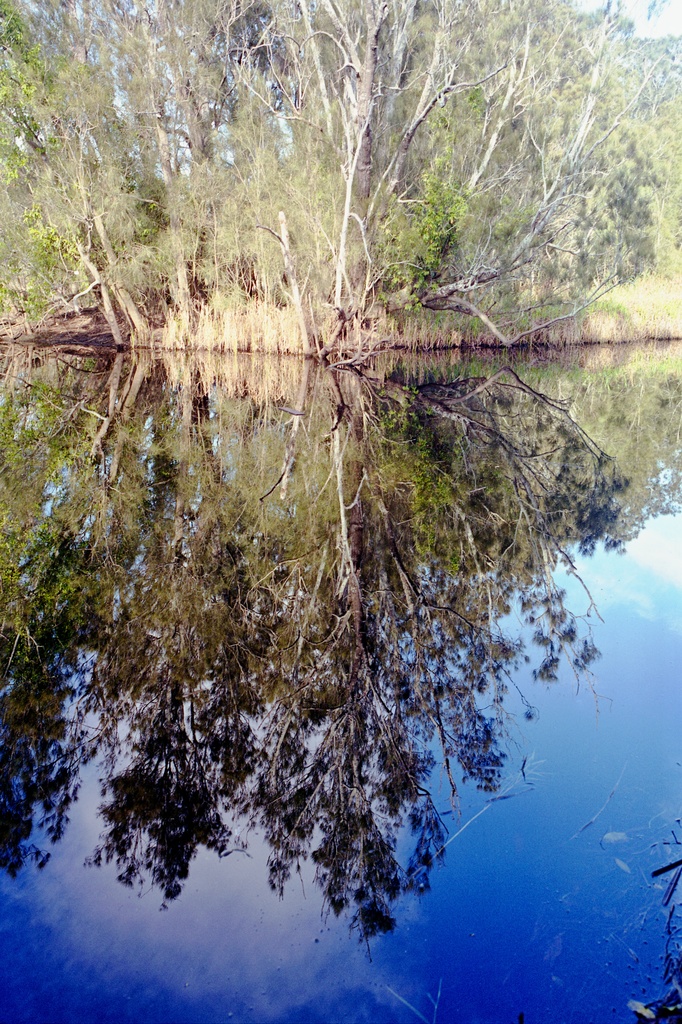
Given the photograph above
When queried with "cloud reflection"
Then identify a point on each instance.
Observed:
(648, 580)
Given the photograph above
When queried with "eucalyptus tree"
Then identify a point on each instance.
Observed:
(454, 148)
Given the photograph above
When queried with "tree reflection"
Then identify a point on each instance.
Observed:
(277, 617)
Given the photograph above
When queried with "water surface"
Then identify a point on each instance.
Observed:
(313, 717)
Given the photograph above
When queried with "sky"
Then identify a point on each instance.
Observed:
(669, 22)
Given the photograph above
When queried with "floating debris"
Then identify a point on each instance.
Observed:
(641, 1010)
(671, 888)
(668, 867)
(603, 807)
(614, 837)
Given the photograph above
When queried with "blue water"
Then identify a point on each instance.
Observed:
(528, 914)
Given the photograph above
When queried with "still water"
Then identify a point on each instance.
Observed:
(339, 695)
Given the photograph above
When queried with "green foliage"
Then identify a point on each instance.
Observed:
(21, 67)
(14, 34)
(510, 221)
(423, 234)
(438, 217)
(476, 101)
(51, 252)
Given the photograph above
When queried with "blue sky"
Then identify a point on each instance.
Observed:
(669, 22)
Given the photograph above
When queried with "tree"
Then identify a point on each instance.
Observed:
(422, 219)
(440, 155)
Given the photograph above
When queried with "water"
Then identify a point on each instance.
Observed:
(314, 728)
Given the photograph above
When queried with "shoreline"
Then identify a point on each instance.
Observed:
(646, 310)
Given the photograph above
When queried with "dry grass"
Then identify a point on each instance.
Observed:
(255, 327)
(421, 330)
(273, 330)
(647, 309)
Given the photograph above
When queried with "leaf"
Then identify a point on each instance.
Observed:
(623, 866)
(614, 837)
(641, 1010)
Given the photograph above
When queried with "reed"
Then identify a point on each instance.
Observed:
(265, 328)
(649, 308)
(420, 330)
(253, 327)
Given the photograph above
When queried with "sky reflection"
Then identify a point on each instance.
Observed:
(516, 920)
(544, 904)
(648, 580)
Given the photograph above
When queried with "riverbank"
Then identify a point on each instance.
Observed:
(648, 309)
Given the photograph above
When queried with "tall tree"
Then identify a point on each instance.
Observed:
(440, 155)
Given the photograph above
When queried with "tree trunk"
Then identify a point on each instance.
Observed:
(181, 285)
(106, 298)
(123, 296)
(366, 97)
(293, 283)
